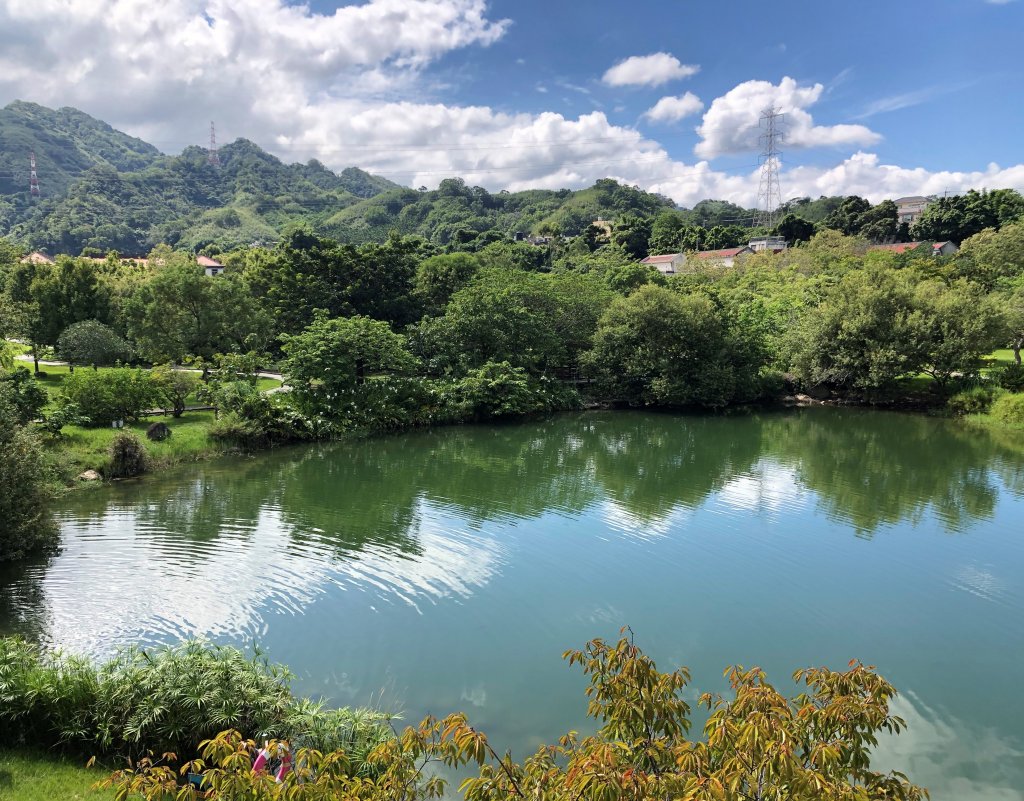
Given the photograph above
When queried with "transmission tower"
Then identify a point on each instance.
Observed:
(213, 158)
(769, 194)
(33, 179)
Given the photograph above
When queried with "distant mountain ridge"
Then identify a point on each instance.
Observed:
(103, 190)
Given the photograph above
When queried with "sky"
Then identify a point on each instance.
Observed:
(880, 98)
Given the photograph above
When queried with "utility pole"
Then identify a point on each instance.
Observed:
(769, 194)
(213, 158)
(33, 179)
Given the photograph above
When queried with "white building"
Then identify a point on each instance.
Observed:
(909, 209)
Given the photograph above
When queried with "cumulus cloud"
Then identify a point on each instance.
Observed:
(338, 87)
(673, 109)
(731, 124)
(652, 70)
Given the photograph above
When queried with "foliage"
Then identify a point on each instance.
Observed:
(973, 400)
(757, 744)
(992, 256)
(440, 277)
(958, 217)
(497, 389)
(179, 311)
(25, 493)
(128, 457)
(330, 358)
(61, 413)
(24, 394)
(175, 386)
(657, 347)
(1010, 377)
(1009, 408)
(92, 342)
(166, 699)
(117, 394)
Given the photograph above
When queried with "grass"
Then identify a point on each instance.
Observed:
(86, 448)
(34, 776)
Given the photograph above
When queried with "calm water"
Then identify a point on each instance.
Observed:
(448, 570)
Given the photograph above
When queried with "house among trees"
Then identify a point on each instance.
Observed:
(210, 266)
(909, 209)
(938, 248)
(672, 263)
(775, 244)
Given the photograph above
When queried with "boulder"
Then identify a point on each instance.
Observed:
(90, 475)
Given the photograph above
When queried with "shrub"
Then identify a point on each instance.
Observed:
(63, 413)
(128, 457)
(1009, 409)
(24, 393)
(174, 386)
(1010, 377)
(118, 394)
(500, 390)
(975, 400)
(166, 699)
(26, 524)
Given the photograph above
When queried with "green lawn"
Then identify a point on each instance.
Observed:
(999, 358)
(29, 776)
(86, 448)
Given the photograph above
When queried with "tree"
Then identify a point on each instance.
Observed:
(632, 234)
(25, 396)
(959, 217)
(666, 233)
(68, 292)
(179, 311)
(440, 277)
(956, 324)
(846, 218)
(991, 255)
(657, 347)
(861, 336)
(25, 482)
(92, 342)
(175, 386)
(327, 362)
(794, 229)
(758, 745)
(1011, 300)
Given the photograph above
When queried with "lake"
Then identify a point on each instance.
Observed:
(448, 570)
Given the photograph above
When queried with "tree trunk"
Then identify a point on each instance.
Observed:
(35, 358)
(71, 368)
(1017, 345)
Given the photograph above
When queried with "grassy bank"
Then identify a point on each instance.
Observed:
(37, 776)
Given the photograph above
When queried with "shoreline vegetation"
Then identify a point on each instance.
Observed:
(174, 712)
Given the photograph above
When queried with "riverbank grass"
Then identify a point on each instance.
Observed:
(34, 776)
(83, 449)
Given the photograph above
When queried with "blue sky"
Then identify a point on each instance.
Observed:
(882, 98)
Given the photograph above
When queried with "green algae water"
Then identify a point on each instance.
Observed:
(448, 570)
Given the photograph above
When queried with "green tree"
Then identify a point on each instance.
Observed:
(179, 311)
(657, 347)
(175, 386)
(632, 233)
(667, 233)
(862, 335)
(25, 486)
(990, 255)
(959, 217)
(326, 363)
(794, 229)
(1011, 300)
(440, 277)
(68, 292)
(92, 342)
(26, 395)
(110, 395)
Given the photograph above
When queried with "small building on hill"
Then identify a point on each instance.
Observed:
(937, 248)
(667, 263)
(726, 257)
(775, 244)
(909, 209)
(210, 266)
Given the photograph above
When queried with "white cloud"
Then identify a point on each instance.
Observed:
(731, 124)
(673, 109)
(652, 70)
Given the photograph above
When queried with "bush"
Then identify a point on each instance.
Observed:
(165, 699)
(92, 342)
(1009, 409)
(1010, 377)
(118, 394)
(128, 457)
(975, 400)
(500, 390)
(24, 393)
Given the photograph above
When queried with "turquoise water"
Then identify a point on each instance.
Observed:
(448, 570)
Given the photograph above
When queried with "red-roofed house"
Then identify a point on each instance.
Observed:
(726, 257)
(210, 266)
(938, 248)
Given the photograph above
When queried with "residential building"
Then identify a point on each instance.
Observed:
(210, 266)
(776, 244)
(938, 248)
(725, 257)
(667, 264)
(909, 209)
